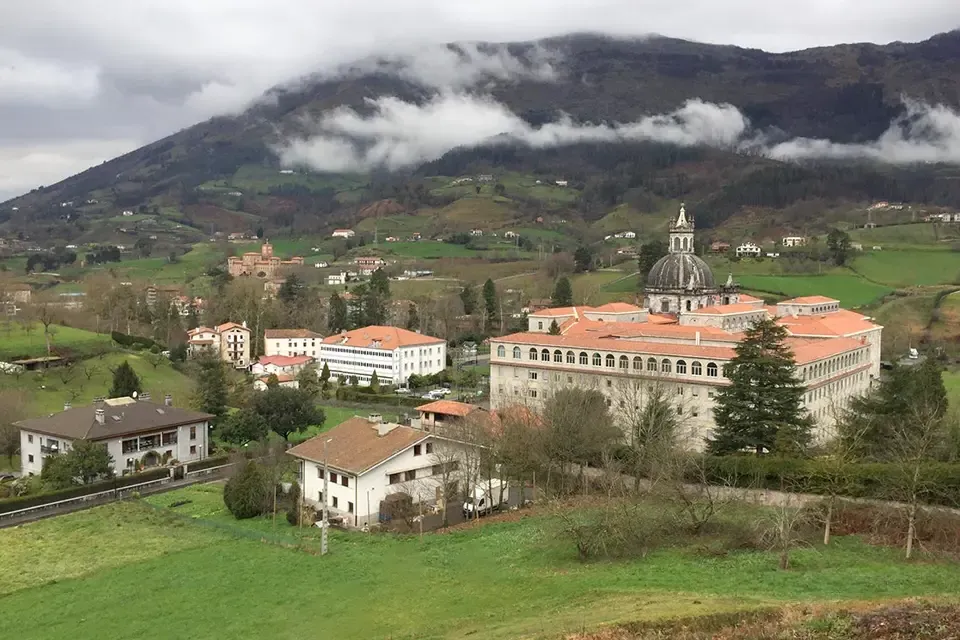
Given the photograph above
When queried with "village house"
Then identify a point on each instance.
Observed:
(368, 460)
(280, 365)
(434, 416)
(287, 380)
(134, 431)
(393, 353)
(476, 232)
(682, 338)
(748, 250)
(343, 233)
(794, 241)
(230, 341)
(337, 279)
(291, 342)
(262, 264)
(719, 247)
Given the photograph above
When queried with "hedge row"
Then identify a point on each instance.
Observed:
(359, 394)
(206, 463)
(135, 342)
(879, 481)
(14, 504)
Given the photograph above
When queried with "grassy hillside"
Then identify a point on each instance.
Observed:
(850, 290)
(909, 268)
(16, 340)
(47, 391)
(498, 581)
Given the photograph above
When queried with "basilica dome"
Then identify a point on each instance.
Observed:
(680, 271)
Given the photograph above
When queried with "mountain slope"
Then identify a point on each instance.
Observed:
(847, 93)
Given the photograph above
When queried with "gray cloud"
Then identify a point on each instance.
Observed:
(128, 72)
(398, 134)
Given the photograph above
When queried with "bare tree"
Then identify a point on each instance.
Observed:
(837, 465)
(783, 528)
(66, 373)
(89, 370)
(47, 313)
(13, 405)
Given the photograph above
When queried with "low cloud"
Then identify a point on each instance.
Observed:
(25, 80)
(46, 163)
(923, 134)
(398, 134)
(401, 134)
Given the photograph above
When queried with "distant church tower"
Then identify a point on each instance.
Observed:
(681, 233)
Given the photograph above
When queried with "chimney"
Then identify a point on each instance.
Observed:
(145, 396)
(100, 416)
(375, 418)
(383, 428)
(168, 400)
(67, 405)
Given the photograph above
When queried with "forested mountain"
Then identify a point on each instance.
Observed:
(847, 94)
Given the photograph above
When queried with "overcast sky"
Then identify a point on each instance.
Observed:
(82, 81)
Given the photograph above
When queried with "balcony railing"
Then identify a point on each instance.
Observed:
(46, 449)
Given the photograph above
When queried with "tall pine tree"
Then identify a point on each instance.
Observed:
(210, 394)
(468, 296)
(125, 381)
(490, 300)
(562, 293)
(762, 407)
(337, 315)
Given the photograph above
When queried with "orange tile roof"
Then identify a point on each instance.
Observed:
(615, 307)
(806, 351)
(725, 309)
(290, 333)
(809, 300)
(448, 408)
(838, 323)
(227, 326)
(560, 311)
(647, 330)
(657, 318)
(582, 341)
(355, 445)
(198, 330)
(281, 377)
(390, 338)
(744, 297)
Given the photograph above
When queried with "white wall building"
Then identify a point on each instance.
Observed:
(132, 430)
(394, 353)
(748, 250)
(337, 279)
(291, 342)
(231, 341)
(343, 233)
(794, 241)
(367, 460)
(280, 365)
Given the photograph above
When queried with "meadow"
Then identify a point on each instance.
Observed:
(850, 290)
(46, 391)
(202, 574)
(909, 268)
(15, 341)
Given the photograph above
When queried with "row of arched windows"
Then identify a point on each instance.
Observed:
(833, 365)
(624, 363)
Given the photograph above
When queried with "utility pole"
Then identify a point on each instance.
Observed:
(326, 500)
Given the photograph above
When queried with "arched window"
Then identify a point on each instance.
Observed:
(689, 305)
(571, 357)
(676, 244)
(681, 366)
(651, 364)
(545, 355)
(583, 358)
(695, 368)
(516, 352)
(611, 361)
(597, 360)
(501, 351)
(624, 362)
(711, 370)
(665, 366)
(558, 356)
(533, 354)
(637, 363)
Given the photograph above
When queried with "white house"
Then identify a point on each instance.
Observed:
(337, 279)
(277, 365)
(132, 430)
(368, 460)
(291, 342)
(510, 234)
(283, 380)
(323, 264)
(476, 232)
(343, 233)
(629, 235)
(748, 250)
(794, 241)
(394, 353)
(231, 341)
(561, 183)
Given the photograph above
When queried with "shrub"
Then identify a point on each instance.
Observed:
(22, 502)
(246, 494)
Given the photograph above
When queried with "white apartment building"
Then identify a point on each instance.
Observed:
(291, 342)
(394, 353)
(132, 430)
(368, 459)
(230, 340)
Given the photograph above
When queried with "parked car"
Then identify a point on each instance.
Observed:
(483, 501)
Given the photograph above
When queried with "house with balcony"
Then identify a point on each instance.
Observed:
(229, 341)
(134, 431)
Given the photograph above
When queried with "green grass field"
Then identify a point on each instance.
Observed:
(14, 341)
(130, 570)
(850, 290)
(920, 234)
(909, 268)
(46, 391)
(951, 380)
